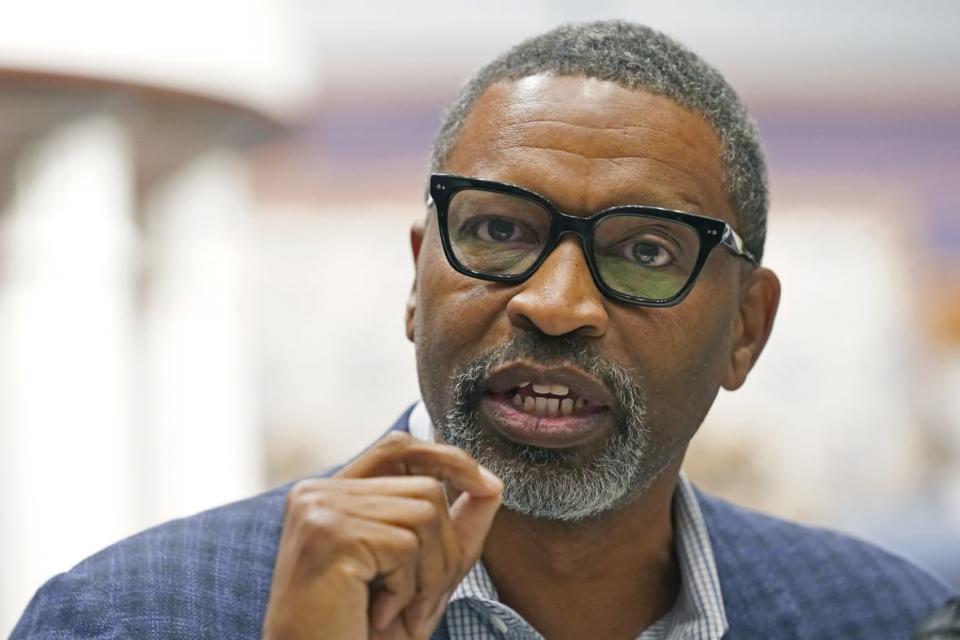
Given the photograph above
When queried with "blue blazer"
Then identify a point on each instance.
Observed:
(208, 576)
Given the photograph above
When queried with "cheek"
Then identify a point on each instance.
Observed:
(457, 318)
(681, 353)
(449, 303)
(705, 318)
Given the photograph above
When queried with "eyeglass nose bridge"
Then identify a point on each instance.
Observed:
(581, 227)
(576, 225)
(564, 223)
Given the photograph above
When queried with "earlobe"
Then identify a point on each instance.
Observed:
(758, 309)
(416, 242)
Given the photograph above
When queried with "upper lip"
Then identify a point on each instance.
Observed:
(580, 383)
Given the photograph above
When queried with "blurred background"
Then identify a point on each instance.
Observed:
(204, 214)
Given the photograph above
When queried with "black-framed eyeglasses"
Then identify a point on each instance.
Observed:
(636, 254)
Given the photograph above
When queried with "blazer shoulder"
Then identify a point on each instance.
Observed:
(826, 582)
(68, 606)
(209, 571)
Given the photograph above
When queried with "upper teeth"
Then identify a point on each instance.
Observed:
(551, 389)
(542, 406)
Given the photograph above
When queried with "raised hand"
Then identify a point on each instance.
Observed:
(375, 551)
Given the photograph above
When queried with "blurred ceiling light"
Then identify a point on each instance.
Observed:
(244, 52)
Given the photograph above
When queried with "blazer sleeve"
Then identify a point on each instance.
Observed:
(69, 607)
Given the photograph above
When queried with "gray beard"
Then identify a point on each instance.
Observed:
(556, 484)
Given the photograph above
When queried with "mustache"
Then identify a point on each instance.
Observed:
(579, 352)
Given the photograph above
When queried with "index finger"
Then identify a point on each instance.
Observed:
(398, 455)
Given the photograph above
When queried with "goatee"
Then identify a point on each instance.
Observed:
(557, 484)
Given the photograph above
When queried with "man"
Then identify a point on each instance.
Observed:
(587, 277)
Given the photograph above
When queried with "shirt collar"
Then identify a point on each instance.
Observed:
(698, 611)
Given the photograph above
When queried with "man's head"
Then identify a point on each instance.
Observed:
(590, 117)
(635, 57)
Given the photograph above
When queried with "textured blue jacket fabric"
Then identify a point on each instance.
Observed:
(208, 576)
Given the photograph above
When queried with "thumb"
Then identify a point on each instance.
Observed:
(471, 517)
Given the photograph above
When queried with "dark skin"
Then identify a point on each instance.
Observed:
(587, 145)
(375, 551)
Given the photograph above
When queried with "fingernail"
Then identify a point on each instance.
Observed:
(492, 480)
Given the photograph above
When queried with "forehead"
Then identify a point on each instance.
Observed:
(588, 144)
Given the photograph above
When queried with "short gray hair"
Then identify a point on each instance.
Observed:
(636, 57)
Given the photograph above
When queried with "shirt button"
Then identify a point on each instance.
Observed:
(498, 624)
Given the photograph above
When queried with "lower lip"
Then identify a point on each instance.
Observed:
(543, 431)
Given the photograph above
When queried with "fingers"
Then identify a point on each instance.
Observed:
(394, 550)
(412, 486)
(416, 504)
(427, 517)
(399, 454)
(388, 518)
(450, 544)
(401, 511)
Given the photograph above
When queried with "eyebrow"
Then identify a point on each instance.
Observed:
(681, 202)
(690, 204)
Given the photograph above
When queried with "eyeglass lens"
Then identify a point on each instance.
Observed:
(636, 255)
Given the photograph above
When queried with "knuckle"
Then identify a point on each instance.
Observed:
(325, 528)
(318, 521)
(304, 496)
(407, 542)
(316, 534)
(395, 441)
(390, 451)
(424, 511)
(428, 488)
(298, 491)
(434, 491)
(299, 497)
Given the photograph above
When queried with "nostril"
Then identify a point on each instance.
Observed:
(523, 322)
(557, 317)
(561, 297)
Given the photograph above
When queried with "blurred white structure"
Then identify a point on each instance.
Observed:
(893, 51)
(243, 52)
(810, 417)
(128, 373)
(338, 368)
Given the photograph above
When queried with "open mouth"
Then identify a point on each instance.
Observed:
(550, 407)
(548, 400)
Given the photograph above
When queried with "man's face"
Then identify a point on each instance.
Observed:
(640, 379)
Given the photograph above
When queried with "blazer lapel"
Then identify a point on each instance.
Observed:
(758, 597)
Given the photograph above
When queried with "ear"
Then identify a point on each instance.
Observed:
(759, 300)
(416, 241)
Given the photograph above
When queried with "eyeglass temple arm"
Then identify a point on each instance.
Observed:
(734, 243)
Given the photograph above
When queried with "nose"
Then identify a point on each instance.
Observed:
(561, 297)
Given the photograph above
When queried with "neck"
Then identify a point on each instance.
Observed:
(610, 577)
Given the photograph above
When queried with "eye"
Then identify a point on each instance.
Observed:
(647, 254)
(499, 231)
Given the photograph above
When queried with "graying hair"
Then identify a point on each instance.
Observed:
(636, 57)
